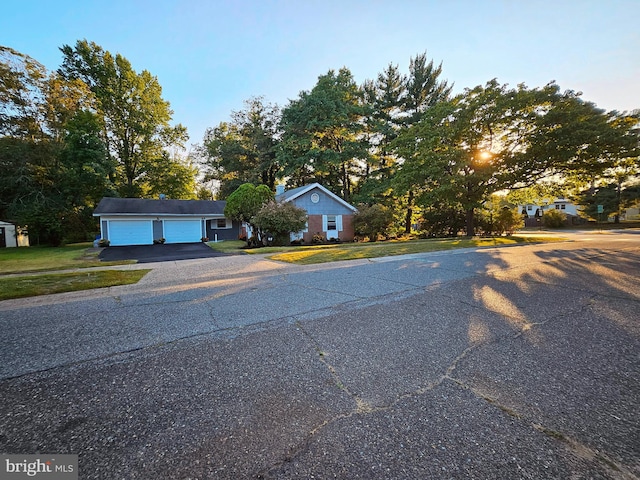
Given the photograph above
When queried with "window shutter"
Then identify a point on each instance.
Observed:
(339, 223)
(324, 223)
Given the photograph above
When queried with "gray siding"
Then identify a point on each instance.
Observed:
(325, 206)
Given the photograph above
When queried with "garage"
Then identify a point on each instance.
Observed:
(182, 231)
(130, 232)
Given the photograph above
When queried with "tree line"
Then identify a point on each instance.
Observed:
(401, 145)
(405, 144)
(93, 128)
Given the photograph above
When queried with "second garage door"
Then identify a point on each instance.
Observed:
(182, 231)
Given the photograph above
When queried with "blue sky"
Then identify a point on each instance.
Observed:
(210, 56)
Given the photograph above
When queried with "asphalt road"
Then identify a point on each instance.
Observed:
(519, 362)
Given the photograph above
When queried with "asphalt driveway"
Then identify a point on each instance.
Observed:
(159, 253)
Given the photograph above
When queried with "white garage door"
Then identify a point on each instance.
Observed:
(182, 231)
(130, 232)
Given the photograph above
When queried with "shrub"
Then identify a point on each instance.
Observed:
(279, 219)
(553, 218)
(372, 221)
(103, 242)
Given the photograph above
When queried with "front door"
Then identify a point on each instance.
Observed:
(3, 240)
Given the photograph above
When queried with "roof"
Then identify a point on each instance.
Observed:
(292, 194)
(143, 206)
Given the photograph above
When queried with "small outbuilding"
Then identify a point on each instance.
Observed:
(138, 221)
(12, 236)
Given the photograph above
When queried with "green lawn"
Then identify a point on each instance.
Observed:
(351, 251)
(33, 285)
(38, 259)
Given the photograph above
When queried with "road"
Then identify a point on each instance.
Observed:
(516, 362)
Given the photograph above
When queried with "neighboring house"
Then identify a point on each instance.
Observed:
(533, 213)
(631, 213)
(328, 214)
(12, 236)
(138, 221)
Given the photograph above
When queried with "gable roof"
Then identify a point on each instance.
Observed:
(144, 206)
(292, 194)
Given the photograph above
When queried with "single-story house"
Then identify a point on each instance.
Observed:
(139, 221)
(328, 214)
(533, 213)
(12, 236)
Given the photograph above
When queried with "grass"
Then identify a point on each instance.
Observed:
(351, 251)
(33, 285)
(38, 259)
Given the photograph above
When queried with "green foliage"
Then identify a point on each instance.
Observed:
(442, 219)
(244, 150)
(135, 117)
(372, 221)
(172, 176)
(322, 134)
(280, 219)
(245, 202)
(498, 218)
(554, 218)
(492, 138)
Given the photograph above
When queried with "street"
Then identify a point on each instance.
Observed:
(513, 362)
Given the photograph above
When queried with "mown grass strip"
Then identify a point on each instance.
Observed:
(353, 251)
(33, 285)
(37, 259)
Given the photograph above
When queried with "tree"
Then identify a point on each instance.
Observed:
(384, 98)
(21, 95)
(424, 90)
(54, 163)
(135, 117)
(322, 134)
(243, 150)
(372, 221)
(493, 138)
(244, 203)
(280, 219)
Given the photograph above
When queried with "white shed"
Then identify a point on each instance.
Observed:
(12, 236)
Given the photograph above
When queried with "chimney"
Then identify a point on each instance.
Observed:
(279, 189)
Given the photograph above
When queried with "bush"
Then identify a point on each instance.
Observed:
(279, 220)
(499, 221)
(372, 221)
(553, 218)
(103, 242)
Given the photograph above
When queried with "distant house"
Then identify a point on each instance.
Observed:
(533, 213)
(12, 236)
(137, 221)
(328, 214)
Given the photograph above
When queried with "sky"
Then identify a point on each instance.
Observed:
(211, 56)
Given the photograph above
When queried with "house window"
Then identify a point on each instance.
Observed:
(557, 207)
(563, 207)
(529, 207)
(222, 223)
(331, 222)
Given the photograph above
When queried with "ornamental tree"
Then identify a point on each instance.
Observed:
(280, 219)
(244, 203)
